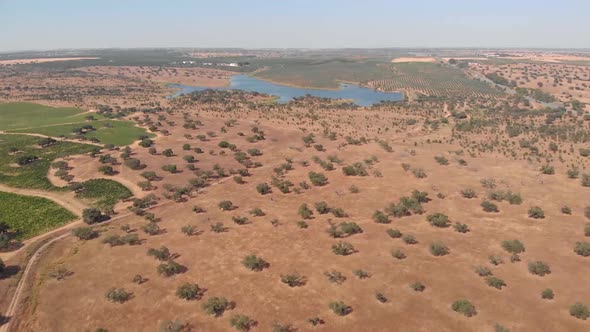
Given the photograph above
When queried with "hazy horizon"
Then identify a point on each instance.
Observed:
(303, 24)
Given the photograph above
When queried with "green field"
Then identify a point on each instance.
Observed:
(107, 131)
(33, 175)
(27, 115)
(104, 193)
(31, 216)
(61, 121)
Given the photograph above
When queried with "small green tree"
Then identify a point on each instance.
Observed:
(398, 254)
(439, 249)
(547, 294)
(438, 220)
(293, 279)
(263, 188)
(536, 213)
(394, 233)
(257, 212)
(162, 254)
(579, 311)
(495, 282)
(343, 248)
(350, 228)
(117, 295)
(241, 322)
(339, 308)
(85, 233)
(322, 207)
(226, 205)
(189, 230)
(539, 268)
(380, 217)
(483, 271)
(464, 307)
(216, 306)
(92, 216)
(335, 277)
(418, 286)
(305, 212)
(468, 193)
(317, 179)
(461, 228)
(489, 206)
(582, 249)
(106, 170)
(151, 228)
(170, 268)
(513, 246)
(188, 291)
(409, 239)
(254, 263)
(218, 227)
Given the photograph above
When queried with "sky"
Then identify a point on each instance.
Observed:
(55, 24)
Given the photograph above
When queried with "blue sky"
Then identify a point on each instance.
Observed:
(55, 24)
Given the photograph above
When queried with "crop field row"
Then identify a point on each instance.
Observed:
(30, 216)
(104, 193)
(322, 74)
(32, 175)
(433, 80)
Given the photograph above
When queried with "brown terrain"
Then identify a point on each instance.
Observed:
(442, 148)
(186, 76)
(103, 85)
(564, 81)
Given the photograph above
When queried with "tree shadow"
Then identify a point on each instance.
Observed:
(10, 271)
(4, 320)
(12, 245)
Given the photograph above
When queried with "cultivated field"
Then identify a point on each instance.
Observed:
(31, 216)
(433, 80)
(324, 74)
(68, 122)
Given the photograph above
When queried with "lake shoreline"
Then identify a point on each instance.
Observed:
(360, 95)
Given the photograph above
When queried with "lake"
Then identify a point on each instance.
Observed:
(359, 95)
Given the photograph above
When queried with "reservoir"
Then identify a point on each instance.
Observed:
(359, 95)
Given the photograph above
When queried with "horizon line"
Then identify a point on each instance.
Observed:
(298, 48)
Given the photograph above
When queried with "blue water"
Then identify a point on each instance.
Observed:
(359, 95)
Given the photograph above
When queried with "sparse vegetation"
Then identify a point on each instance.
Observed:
(464, 307)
